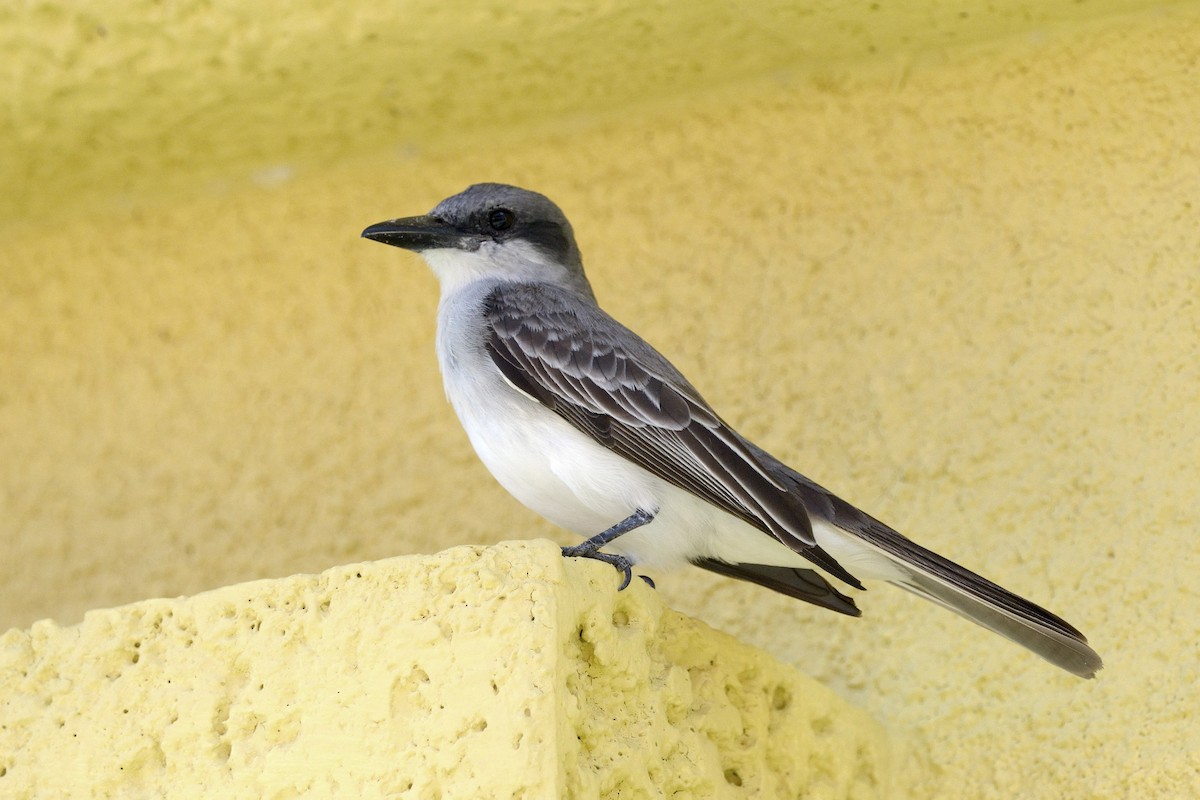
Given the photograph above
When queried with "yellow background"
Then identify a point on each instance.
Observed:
(943, 260)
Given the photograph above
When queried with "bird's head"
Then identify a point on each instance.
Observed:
(488, 231)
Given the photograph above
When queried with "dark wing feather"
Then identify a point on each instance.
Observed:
(607, 382)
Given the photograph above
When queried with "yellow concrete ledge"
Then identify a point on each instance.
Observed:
(478, 672)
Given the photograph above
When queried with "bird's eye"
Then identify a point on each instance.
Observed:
(501, 219)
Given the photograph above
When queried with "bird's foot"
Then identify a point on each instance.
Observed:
(620, 563)
(623, 564)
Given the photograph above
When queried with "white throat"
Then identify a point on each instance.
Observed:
(512, 261)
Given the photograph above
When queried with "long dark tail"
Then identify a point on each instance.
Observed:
(954, 587)
(925, 573)
(957, 588)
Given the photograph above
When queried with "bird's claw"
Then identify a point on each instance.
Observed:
(628, 573)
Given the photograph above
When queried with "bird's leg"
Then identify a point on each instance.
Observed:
(591, 547)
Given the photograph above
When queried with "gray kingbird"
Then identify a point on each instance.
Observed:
(591, 427)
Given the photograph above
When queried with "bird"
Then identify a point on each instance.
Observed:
(588, 425)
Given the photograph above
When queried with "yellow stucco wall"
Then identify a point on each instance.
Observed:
(958, 284)
(138, 97)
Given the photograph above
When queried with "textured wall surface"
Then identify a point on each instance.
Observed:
(506, 672)
(958, 285)
(142, 96)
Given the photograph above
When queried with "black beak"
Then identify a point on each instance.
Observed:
(417, 234)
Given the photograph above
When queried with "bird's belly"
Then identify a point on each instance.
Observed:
(562, 474)
(545, 463)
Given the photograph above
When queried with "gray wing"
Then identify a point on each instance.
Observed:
(611, 385)
(614, 387)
